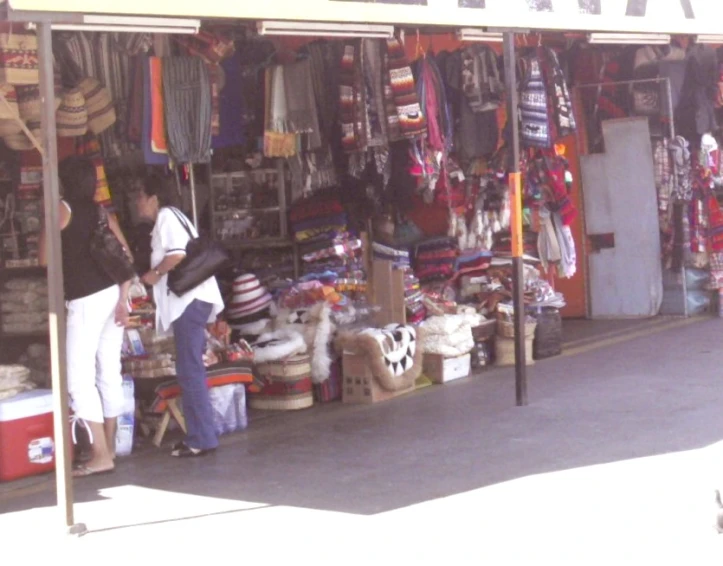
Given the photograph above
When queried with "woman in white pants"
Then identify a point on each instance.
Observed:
(97, 313)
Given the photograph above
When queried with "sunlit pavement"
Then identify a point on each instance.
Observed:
(615, 461)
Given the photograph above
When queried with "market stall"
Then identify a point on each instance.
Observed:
(373, 191)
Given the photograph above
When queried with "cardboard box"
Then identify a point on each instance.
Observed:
(360, 386)
(443, 370)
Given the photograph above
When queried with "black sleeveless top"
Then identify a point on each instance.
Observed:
(81, 275)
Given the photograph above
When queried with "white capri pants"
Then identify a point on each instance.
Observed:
(93, 351)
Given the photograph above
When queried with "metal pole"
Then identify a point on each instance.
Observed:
(56, 299)
(515, 184)
(192, 184)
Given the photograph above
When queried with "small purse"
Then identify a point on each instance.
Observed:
(107, 251)
(204, 258)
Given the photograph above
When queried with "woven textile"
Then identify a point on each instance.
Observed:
(535, 126)
(187, 96)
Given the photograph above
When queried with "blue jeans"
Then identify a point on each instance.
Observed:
(190, 337)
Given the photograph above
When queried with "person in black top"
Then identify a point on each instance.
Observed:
(97, 312)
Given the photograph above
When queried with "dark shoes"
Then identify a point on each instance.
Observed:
(181, 450)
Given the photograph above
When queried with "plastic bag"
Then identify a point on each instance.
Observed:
(228, 404)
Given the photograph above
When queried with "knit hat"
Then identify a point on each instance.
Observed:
(249, 297)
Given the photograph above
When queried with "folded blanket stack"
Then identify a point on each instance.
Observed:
(435, 259)
(319, 218)
(399, 257)
(330, 259)
(413, 298)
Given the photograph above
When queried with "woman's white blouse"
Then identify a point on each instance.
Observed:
(169, 237)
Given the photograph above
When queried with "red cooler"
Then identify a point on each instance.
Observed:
(27, 446)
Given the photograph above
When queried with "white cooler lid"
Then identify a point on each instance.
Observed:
(26, 404)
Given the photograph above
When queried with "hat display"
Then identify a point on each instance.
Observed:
(72, 116)
(249, 298)
(101, 112)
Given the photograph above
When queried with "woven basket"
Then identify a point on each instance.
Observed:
(101, 112)
(288, 385)
(484, 331)
(505, 352)
(507, 329)
(9, 128)
(19, 58)
(548, 334)
(11, 95)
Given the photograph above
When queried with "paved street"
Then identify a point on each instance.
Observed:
(614, 461)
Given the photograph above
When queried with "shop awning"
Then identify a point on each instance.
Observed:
(653, 16)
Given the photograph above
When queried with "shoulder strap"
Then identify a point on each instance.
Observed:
(182, 220)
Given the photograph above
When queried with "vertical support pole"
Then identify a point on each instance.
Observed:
(194, 204)
(516, 223)
(56, 302)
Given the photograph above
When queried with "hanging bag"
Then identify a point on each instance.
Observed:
(204, 258)
(107, 251)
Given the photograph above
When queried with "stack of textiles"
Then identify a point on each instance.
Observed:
(329, 259)
(399, 257)
(318, 218)
(435, 259)
(472, 266)
(413, 298)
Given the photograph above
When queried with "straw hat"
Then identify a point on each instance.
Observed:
(9, 127)
(21, 142)
(101, 112)
(72, 116)
(29, 102)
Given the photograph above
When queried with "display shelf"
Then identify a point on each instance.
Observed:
(248, 211)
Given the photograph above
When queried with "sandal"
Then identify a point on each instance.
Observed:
(182, 450)
(84, 470)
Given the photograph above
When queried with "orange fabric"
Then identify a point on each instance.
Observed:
(159, 142)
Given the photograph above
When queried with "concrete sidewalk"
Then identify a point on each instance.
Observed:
(614, 461)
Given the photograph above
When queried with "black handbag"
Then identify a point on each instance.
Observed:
(204, 258)
(107, 251)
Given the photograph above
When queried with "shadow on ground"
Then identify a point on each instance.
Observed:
(647, 396)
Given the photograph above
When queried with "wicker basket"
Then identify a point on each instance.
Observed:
(507, 329)
(505, 352)
(484, 331)
(548, 334)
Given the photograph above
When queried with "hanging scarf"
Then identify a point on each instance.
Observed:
(159, 143)
(276, 143)
(187, 95)
(558, 94)
(300, 102)
(352, 103)
(412, 123)
(680, 154)
(325, 59)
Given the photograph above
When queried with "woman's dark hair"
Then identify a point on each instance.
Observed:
(78, 177)
(156, 185)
